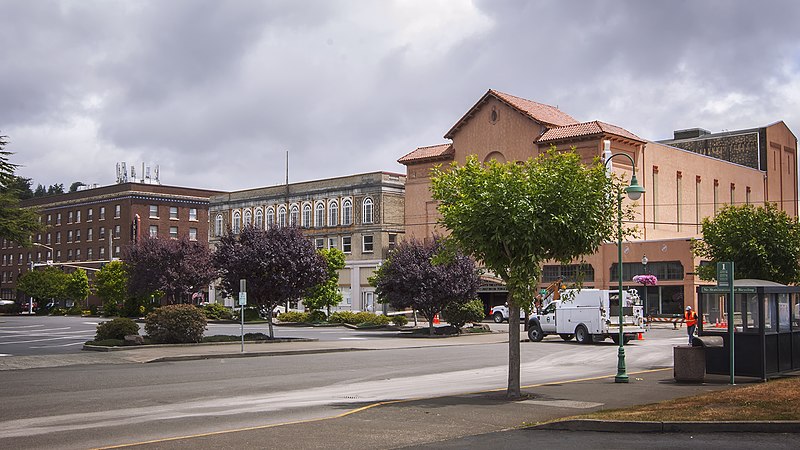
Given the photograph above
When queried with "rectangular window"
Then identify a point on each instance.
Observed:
(319, 243)
(679, 198)
(102, 213)
(747, 195)
(173, 232)
(102, 252)
(58, 219)
(154, 211)
(77, 254)
(69, 236)
(392, 241)
(69, 255)
(153, 231)
(367, 243)
(655, 196)
(89, 214)
(58, 255)
(117, 231)
(49, 219)
(77, 235)
(173, 212)
(88, 235)
(116, 251)
(716, 196)
(347, 244)
(89, 253)
(102, 233)
(331, 242)
(48, 238)
(697, 217)
(192, 234)
(69, 217)
(733, 192)
(117, 211)
(58, 237)
(193, 214)
(78, 216)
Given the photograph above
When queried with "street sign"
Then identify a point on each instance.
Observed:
(724, 274)
(727, 290)
(242, 298)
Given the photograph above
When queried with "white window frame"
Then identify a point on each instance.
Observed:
(173, 209)
(193, 214)
(237, 222)
(270, 217)
(153, 231)
(319, 215)
(349, 246)
(294, 216)
(282, 216)
(218, 222)
(306, 221)
(347, 212)
(364, 243)
(368, 210)
(153, 212)
(248, 218)
(175, 234)
(333, 213)
(259, 223)
(192, 234)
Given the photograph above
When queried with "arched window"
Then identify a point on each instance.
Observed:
(237, 222)
(281, 216)
(293, 216)
(270, 217)
(306, 215)
(248, 218)
(368, 210)
(333, 213)
(260, 219)
(347, 212)
(217, 226)
(319, 215)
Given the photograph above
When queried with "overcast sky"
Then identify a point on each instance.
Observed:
(216, 92)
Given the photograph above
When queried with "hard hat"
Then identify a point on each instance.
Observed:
(688, 308)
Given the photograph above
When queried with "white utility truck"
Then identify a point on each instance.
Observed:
(588, 315)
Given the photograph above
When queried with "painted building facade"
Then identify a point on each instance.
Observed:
(362, 215)
(687, 179)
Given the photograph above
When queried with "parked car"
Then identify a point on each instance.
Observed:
(500, 313)
(6, 302)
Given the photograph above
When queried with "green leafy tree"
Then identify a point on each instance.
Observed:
(515, 216)
(327, 293)
(40, 191)
(74, 186)
(16, 224)
(55, 189)
(48, 283)
(77, 286)
(425, 276)
(111, 284)
(460, 314)
(763, 242)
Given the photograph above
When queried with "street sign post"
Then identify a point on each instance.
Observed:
(725, 280)
(242, 304)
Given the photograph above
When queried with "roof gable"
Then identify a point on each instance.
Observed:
(431, 152)
(539, 112)
(586, 129)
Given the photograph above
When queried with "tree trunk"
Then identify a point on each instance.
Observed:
(415, 318)
(513, 391)
(269, 319)
(430, 324)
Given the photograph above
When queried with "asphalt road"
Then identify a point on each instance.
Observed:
(100, 405)
(50, 335)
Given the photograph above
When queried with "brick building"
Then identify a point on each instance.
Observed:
(92, 226)
(362, 215)
(687, 179)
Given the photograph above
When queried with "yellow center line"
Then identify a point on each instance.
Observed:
(358, 410)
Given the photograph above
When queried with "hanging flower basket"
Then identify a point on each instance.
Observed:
(647, 280)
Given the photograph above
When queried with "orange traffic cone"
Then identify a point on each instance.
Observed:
(436, 319)
(640, 337)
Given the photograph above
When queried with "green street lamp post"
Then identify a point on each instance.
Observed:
(634, 191)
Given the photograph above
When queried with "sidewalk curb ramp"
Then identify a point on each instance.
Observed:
(613, 426)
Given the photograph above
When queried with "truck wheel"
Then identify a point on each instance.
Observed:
(535, 333)
(625, 339)
(567, 337)
(498, 317)
(582, 335)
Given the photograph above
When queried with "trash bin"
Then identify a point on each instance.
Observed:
(716, 357)
(689, 363)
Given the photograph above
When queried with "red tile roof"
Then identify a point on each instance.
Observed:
(586, 129)
(429, 152)
(546, 114)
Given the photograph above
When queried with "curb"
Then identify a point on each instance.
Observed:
(101, 348)
(613, 426)
(253, 354)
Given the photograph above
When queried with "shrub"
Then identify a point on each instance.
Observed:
(75, 309)
(459, 314)
(251, 314)
(377, 320)
(176, 324)
(294, 316)
(342, 317)
(93, 310)
(58, 311)
(399, 320)
(116, 329)
(108, 342)
(217, 311)
(317, 316)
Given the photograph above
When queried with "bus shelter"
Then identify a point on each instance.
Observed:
(766, 319)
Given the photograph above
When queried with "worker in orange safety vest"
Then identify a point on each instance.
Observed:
(690, 318)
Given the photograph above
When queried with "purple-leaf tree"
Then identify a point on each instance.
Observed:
(176, 267)
(420, 276)
(279, 264)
